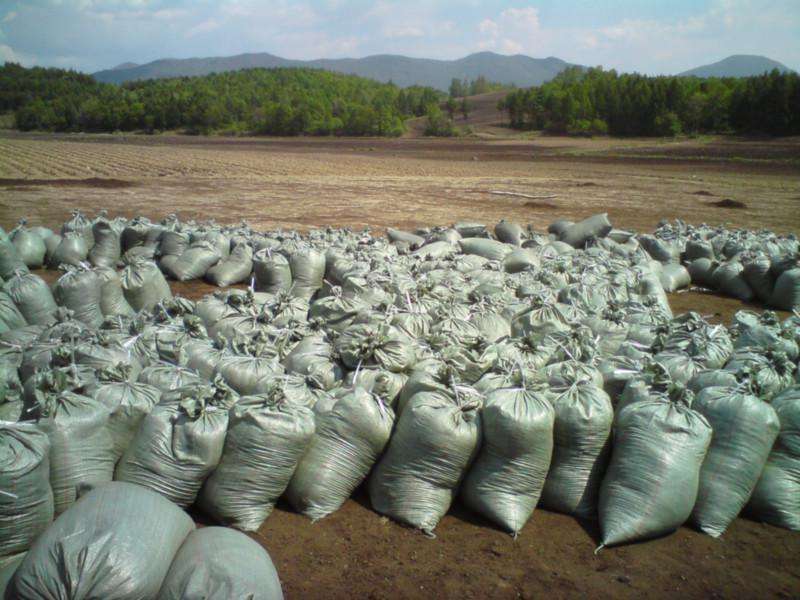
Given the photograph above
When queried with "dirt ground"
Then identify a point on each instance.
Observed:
(408, 182)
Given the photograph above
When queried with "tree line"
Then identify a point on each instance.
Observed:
(259, 101)
(466, 87)
(594, 101)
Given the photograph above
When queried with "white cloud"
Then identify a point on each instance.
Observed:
(202, 27)
(7, 54)
(513, 31)
(489, 27)
(524, 18)
(403, 32)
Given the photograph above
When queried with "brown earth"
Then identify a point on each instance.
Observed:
(409, 182)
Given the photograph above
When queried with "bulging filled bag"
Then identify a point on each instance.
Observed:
(267, 436)
(80, 290)
(581, 447)
(179, 443)
(26, 499)
(436, 440)
(776, 497)
(117, 543)
(144, 285)
(651, 483)
(128, 403)
(745, 429)
(29, 244)
(80, 444)
(506, 480)
(216, 563)
(348, 441)
(32, 297)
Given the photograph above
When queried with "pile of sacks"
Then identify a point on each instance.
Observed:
(749, 265)
(512, 369)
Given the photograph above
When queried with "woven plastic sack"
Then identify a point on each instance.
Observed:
(144, 285)
(757, 274)
(216, 563)
(33, 298)
(769, 372)
(577, 234)
(308, 271)
(107, 248)
(80, 291)
(112, 296)
(80, 444)
(128, 404)
(385, 384)
(674, 277)
(786, 294)
(71, 251)
(348, 441)
(521, 259)
(51, 244)
(80, 225)
(581, 449)
(491, 249)
(249, 375)
(509, 233)
(414, 241)
(272, 272)
(10, 316)
(651, 483)
(135, 233)
(701, 271)
(116, 543)
(380, 346)
(437, 438)
(10, 260)
(267, 436)
(729, 279)
(433, 250)
(30, 246)
(194, 262)
(26, 499)
(173, 243)
(236, 268)
(745, 429)
(8, 567)
(179, 443)
(312, 357)
(776, 497)
(506, 479)
(167, 377)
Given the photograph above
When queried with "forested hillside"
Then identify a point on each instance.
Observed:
(597, 102)
(274, 101)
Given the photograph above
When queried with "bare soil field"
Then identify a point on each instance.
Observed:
(303, 183)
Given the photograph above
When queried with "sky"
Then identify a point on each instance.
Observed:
(648, 36)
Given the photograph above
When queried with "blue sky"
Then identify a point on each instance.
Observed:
(647, 36)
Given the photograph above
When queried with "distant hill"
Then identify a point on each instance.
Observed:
(738, 65)
(125, 65)
(519, 70)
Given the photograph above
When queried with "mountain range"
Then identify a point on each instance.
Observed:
(402, 70)
(518, 69)
(738, 65)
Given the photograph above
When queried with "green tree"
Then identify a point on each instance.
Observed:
(465, 108)
(451, 107)
(456, 88)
